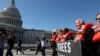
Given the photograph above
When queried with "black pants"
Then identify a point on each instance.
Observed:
(1, 52)
(19, 49)
(98, 49)
(54, 52)
(89, 49)
(43, 51)
(54, 46)
(37, 50)
(9, 51)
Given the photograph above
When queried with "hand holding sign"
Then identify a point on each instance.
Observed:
(75, 40)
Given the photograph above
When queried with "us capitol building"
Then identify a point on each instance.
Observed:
(10, 19)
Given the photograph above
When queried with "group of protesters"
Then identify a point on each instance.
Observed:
(87, 33)
(10, 39)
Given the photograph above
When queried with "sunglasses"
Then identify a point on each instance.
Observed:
(97, 19)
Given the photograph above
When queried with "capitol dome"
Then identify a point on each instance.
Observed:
(10, 16)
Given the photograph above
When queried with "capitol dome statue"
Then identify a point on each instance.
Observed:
(11, 17)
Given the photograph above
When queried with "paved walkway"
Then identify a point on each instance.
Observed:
(30, 53)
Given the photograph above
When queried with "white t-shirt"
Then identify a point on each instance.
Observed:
(42, 43)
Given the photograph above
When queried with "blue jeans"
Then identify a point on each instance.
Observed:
(1, 52)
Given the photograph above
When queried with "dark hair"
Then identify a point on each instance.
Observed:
(3, 31)
(43, 38)
(66, 29)
(97, 15)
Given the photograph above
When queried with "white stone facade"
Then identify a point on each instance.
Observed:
(10, 19)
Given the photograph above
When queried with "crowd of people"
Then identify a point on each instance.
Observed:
(10, 39)
(87, 33)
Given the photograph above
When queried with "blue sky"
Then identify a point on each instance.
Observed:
(54, 14)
